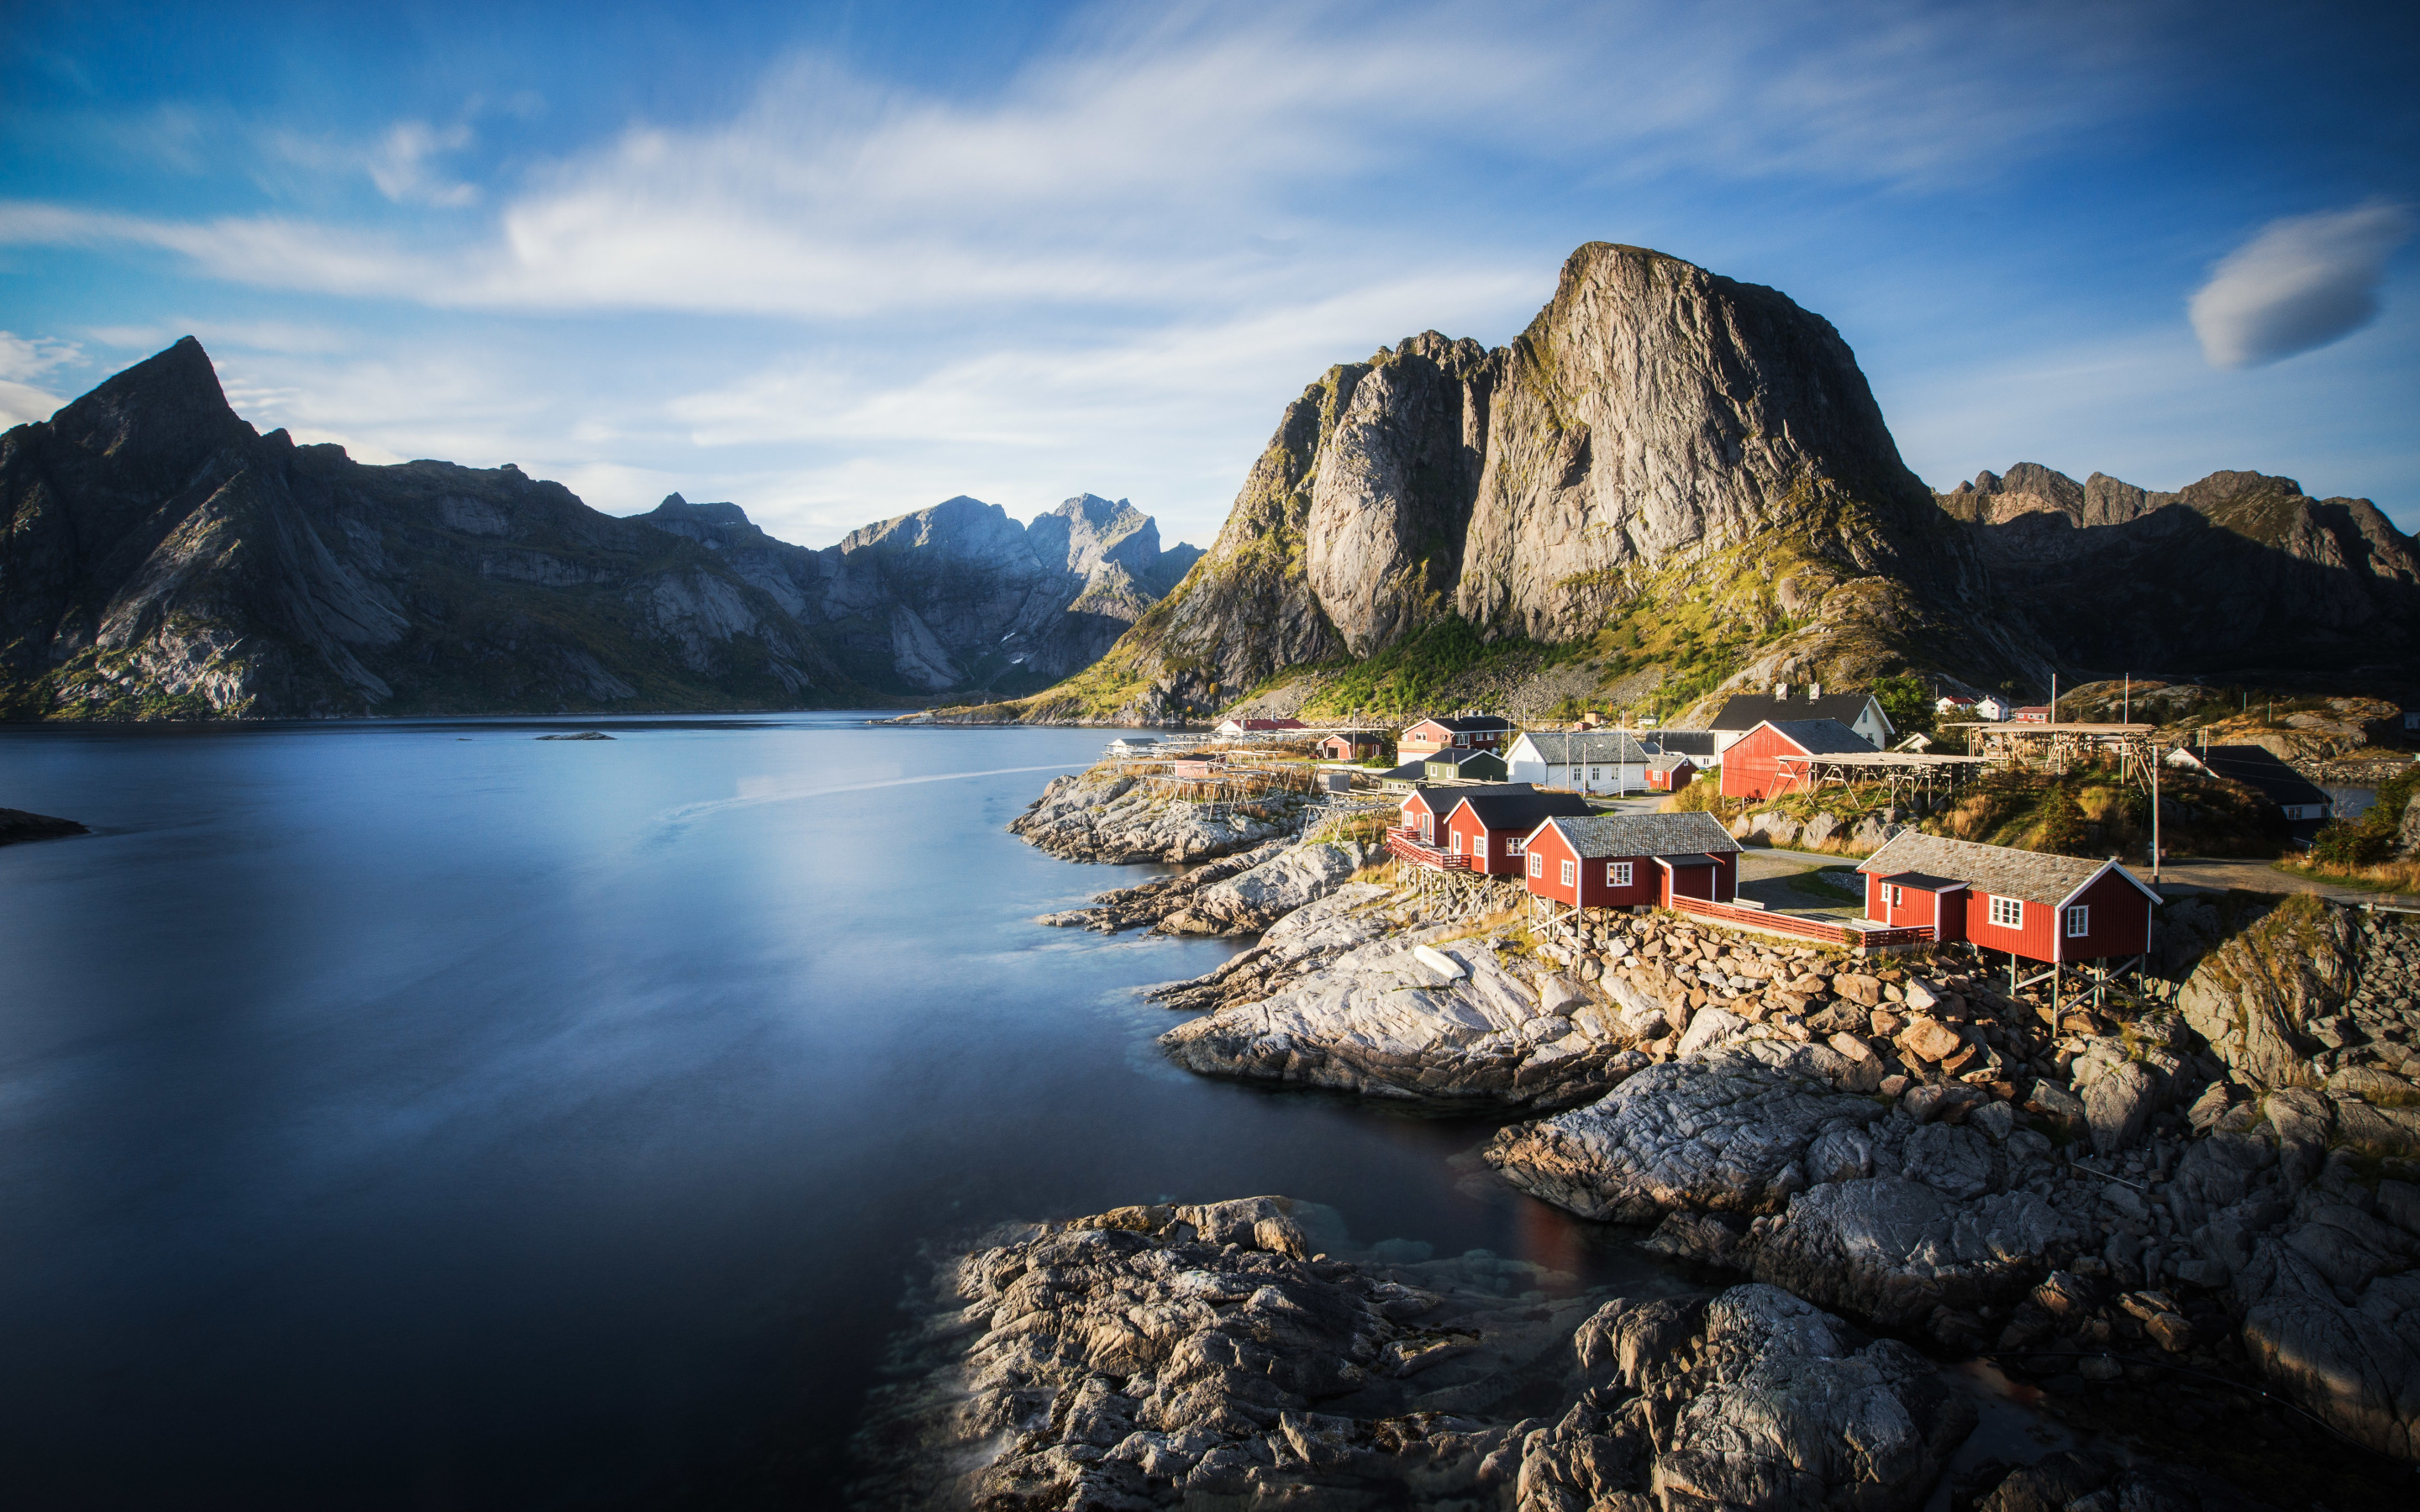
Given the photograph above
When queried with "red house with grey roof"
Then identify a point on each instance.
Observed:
(1753, 768)
(2054, 909)
(1623, 860)
(1490, 828)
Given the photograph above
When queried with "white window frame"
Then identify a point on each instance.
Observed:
(1571, 872)
(2015, 906)
(1596, 774)
(1461, 737)
(1536, 865)
(1617, 873)
(1515, 845)
(1894, 895)
(2079, 920)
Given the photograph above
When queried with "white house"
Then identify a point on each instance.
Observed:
(1861, 712)
(1991, 707)
(1126, 746)
(1585, 760)
(1951, 704)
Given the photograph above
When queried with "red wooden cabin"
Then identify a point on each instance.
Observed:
(1489, 826)
(1670, 773)
(1425, 808)
(1623, 860)
(1752, 768)
(1486, 730)
(2054, 909)
(1350, 746)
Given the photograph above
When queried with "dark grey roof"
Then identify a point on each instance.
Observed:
(1698, 743)
(2033, 875)
(2260, 768)
(1920, 879)
(1464, 723)
(1669, 760)
(1519, 811)
(1824, 737)
(1746, 710)
(1690, 833)
(1441, 799)
(1564, 748)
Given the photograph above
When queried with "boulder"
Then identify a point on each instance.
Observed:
(2117, 1107)
(2332, 1317)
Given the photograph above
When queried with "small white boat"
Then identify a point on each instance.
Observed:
(1439, 961)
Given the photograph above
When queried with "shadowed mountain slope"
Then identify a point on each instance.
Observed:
(164, 561)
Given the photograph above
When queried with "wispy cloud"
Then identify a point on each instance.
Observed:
(2302, 282)
(1183, 162)
(25, 360)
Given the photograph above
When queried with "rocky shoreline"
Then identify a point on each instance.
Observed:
(1220, 1354)
(2217, 1184)
(1119, 819)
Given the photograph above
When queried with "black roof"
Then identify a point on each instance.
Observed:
(1463, 723)
(1524, 812)
(1448, 796)
(2260, 768)
(1682, 742)
(1746, 710)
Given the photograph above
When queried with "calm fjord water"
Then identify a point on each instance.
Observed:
(422, 1115)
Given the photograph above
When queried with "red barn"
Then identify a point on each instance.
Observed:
(2056, 909)
(1349, 746)
(1620, 860)
(1490, 826)
(1752, 767)
(1670, 773)
(1429, 736)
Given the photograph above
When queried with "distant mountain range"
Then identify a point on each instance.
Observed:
(1672, 483)
(162, 560)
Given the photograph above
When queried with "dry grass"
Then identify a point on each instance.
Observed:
(2382, 876)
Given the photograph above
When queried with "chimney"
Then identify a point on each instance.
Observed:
(1781, 692)
(1814, 690)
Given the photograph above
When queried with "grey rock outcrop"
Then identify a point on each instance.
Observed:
(1753, 1160)
(1185, 1356)
(1295, 947)
(1253, 900)
(1377, 1020)
(1146, 904)
(1100, 815)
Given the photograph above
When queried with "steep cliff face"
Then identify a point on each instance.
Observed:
(163, 559)
(2240, 571)
(1680, 470)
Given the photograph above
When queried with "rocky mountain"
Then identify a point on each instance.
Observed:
(1672, 483)
(1668, 469)
(2237, 572)
(163, 559)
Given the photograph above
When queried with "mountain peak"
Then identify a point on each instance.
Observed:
(675, 507)
(169, 404)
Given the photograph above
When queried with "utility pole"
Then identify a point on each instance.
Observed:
(2156, 764)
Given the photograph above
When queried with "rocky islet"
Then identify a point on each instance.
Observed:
(1906, 1142)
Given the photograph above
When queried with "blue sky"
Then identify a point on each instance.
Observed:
(838, 261)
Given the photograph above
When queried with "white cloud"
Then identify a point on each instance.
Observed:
(2302, 282)
(24, 360)
(1212, 158)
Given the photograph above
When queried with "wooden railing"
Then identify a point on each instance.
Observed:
(1401, 843)
(1822, 930)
